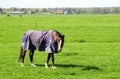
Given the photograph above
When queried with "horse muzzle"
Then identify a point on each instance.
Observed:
(59, 50)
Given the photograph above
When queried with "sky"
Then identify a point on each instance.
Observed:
(58, 3)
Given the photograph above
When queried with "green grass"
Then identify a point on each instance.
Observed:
(91, 50)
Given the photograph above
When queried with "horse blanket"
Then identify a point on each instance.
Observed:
(39, 40)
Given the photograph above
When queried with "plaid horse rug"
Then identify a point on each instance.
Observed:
(39, 40)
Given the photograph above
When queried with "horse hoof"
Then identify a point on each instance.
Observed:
(22, 64)
(33, 65)
(53, 67)
(46, 65)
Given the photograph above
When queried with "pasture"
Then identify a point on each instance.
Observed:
(91, 49)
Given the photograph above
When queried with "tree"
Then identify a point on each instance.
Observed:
(113, 10)
(13, 9)
(0, 11)
(44, 10)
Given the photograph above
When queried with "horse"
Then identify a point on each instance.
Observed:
(50, 41)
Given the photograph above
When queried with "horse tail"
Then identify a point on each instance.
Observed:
(20, 56)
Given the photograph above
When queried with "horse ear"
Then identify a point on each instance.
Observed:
(63, 36)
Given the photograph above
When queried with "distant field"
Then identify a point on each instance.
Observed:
(91, 50)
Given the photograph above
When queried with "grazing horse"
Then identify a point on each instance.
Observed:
(50, 41)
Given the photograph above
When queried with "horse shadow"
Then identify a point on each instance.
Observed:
(82, 67)
(78, 66)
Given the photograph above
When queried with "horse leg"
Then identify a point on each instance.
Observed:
(20, 56)
(31, 54)
(23, 52)
(48, 58)
(52, 58)
(50, 55)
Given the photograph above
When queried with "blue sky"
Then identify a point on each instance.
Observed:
(58, 3)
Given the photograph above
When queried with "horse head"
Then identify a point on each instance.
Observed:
(59, 40)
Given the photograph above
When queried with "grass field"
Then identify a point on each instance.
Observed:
(91, 50)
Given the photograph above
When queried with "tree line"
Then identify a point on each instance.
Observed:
(96, 10)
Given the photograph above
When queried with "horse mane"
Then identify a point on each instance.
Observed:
(57, 35)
